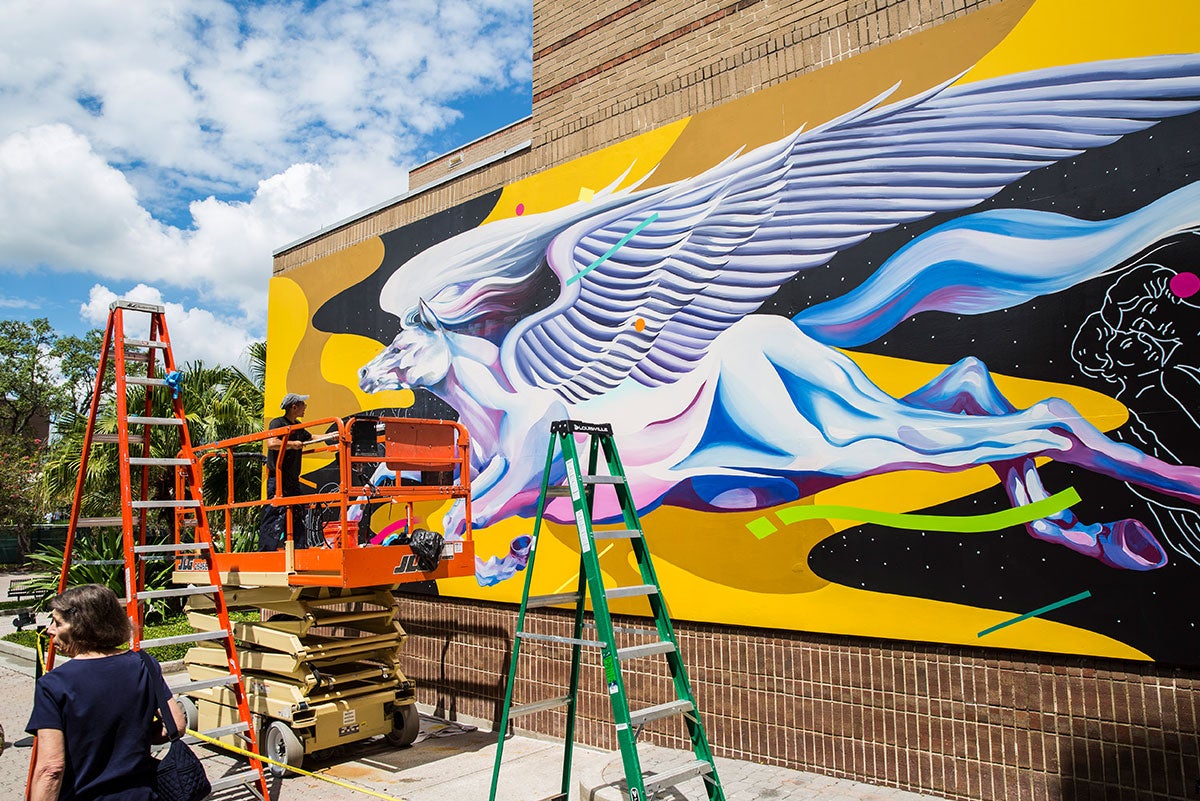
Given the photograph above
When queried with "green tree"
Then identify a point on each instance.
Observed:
(29, 386)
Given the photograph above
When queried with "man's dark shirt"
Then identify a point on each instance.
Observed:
(291, 457)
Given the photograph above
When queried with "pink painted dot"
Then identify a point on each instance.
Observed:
(520, 209)
(1185, 285)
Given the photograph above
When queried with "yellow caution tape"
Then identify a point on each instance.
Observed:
(235, 749)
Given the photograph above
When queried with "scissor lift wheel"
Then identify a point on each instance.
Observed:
(282, 745)
(408, 726)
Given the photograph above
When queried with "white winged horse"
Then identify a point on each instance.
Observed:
(718, 408)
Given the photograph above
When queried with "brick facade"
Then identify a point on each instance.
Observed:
(960, 723)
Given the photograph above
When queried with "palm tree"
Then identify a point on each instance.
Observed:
(219, 403)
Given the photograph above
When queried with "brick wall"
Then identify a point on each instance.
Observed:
(609, 69)
(469, 155)
(960, 723)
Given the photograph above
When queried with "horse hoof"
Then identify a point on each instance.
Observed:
(1129, 545)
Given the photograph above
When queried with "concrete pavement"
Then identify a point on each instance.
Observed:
(450, 761)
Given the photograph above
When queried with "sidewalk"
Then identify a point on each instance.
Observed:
(450, 761)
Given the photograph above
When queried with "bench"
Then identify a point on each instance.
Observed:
(20, 589)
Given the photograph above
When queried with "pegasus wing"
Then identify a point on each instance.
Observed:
(650, 283)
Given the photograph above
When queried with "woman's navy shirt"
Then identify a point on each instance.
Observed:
(105, 709)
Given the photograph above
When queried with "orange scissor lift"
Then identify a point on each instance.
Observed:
(320, 653)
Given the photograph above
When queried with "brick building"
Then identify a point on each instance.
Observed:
(921, 713)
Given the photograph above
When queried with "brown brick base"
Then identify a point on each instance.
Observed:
(957, 722)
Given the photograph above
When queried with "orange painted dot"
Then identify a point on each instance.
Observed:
(639, 324)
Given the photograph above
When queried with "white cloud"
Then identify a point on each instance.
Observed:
(180, 143)
(196, 334)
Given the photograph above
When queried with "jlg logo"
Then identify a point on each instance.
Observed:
(407, 565)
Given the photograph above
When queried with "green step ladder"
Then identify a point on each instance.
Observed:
(581, 488)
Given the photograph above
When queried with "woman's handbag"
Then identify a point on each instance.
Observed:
(180, 777)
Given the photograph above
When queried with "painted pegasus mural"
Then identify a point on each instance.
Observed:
(650, 306)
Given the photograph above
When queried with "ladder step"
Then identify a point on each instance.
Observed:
(172, 547)
(138, 419)
(536, 601)
(617, 534)
(649, 649)
(234, 780)
(145, 381)
(676, 776)
(631, 591)
(158, 461)
(97, 561)
(206, 684)
(603, 479)
(637, 718)
(200, 636)
(178, 592)
(144, 358)
(220, 731)
(164, 504)
(537, 706)
(110, 438)
(98, 522)
(558, 491)
(145, 343)
(527, 635)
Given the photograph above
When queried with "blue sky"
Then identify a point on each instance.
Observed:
(163, 151)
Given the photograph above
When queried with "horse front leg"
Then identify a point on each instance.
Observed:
(967, 388)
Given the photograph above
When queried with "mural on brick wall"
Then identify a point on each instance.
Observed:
(917, 369)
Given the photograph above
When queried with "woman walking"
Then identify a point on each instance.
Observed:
(95, 716)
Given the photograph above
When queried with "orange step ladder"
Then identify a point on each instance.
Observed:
(135, 460)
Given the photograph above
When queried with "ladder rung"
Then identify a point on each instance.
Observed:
(558, 491)
(631, 591)
(153, 421)
(133, 357)
(617, 534)
(200, 636)
(172, 547)
(234, 780)
(537, 706)
(197, 686)
(98, 522)
(111, 438)
(604, 479)
(528, 635)
(649, 649)
(158, 461)
(220, 731)
(676, 776)
(97, 561)
(145, 381)
(177, 592)
(145, 343)
(536, 601)
(637, 718)
(164, 504)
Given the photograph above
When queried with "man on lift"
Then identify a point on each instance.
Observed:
(272, 530)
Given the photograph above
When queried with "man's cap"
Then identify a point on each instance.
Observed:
(291, 398)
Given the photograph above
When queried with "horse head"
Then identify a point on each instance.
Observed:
(419, 356)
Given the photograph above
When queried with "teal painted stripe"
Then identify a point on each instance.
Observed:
(1037, 612)
(620, 244)
(968, 524)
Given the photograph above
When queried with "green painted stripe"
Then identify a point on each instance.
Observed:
(620, 244)
(1037, 612)
(994, 521)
